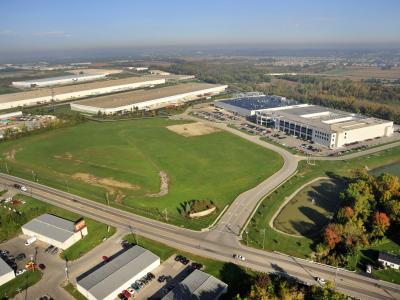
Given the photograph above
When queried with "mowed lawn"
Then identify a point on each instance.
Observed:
(123, 159)
(311, 209)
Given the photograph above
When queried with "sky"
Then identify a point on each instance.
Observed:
(62, 25)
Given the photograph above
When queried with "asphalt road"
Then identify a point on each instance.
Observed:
(221, 241)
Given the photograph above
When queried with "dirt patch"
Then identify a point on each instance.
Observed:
(10, 155)
(163, 185)
(68, 156)
(110, 184)
(192, 129)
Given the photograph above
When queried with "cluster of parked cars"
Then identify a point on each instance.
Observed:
(51, 250)
(12, 261)
(182, 259)
(136, 286)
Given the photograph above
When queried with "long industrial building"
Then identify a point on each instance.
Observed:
(198, 286)
(59, 80)
(327, 127)
(55, 231)
(148, 99)
(109, 279)
(77, 91)
(6, 272)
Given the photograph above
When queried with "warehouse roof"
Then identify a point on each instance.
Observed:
(4, 267)
(107, 278)
(66, 77)
(53, 227)
(44, 92)
(197, 286)
(132, 97)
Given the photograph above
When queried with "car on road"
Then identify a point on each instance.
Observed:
(321, 281)
(42, 266)
(240, 257)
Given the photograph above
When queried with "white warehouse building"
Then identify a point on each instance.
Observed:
(68, 79)
(55, 231)
(71, 92)
(6, 272)
(109, 279)
(148, 99)
(328, 127)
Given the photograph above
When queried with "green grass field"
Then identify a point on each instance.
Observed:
(311, 208)
(302, 246)
(125, 158)
(10, 225)
(19, 283)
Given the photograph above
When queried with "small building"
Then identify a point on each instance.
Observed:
(198, 286)
(111, 278)
(159, 72)
(6, 272)
(389, 260)
(56, 231)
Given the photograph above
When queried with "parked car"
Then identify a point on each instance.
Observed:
(21, 256)
(368, 269)
(20, 272)
(105, 258)
(162, 278)
(131, 291)
(49, 248)
(42, 266)
(197, 266)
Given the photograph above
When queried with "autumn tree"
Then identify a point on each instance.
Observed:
(332, 235)
(381, 223)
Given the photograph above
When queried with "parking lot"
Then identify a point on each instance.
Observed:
(46, 262)
(160, 281)
(301, 146)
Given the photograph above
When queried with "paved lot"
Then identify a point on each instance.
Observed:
(52, 275)
(175, 273)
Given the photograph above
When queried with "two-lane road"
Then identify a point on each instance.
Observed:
(200, 243)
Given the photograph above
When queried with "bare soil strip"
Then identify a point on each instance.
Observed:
(192, 129)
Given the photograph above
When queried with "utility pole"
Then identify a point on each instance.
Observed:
(263, 231)
(8, 172)
(247, 237)
(165, 211)
(66, 183)
(134, 235)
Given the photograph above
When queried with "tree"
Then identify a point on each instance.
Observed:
(332, 235)
(387, 186)
(381, 223)
(345, 214)
(392, 208)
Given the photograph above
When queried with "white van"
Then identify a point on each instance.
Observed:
(30, 241)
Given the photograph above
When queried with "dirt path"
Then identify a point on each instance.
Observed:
(163, 185)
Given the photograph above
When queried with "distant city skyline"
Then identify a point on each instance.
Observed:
(42, 26)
